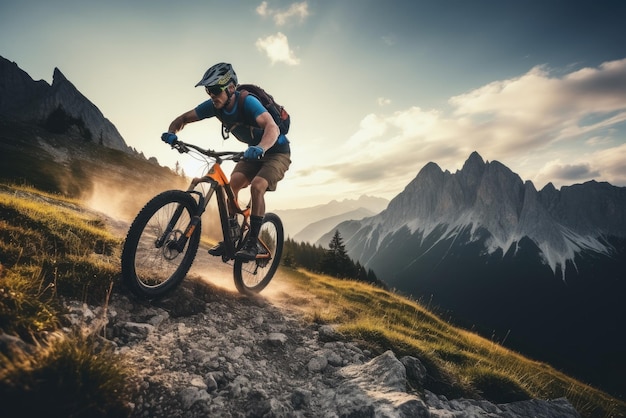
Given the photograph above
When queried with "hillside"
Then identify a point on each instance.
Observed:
(316, 230)
(110, 179)
(309, 346)
(544, 271)
(60, 107)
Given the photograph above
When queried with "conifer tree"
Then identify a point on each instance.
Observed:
(336, 261)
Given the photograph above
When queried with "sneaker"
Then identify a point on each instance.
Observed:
(217, 250)
(249, 251)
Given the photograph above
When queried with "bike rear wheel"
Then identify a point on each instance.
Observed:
(154, 259)
(253, 276)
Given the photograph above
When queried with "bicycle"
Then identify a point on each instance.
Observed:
(163, 239)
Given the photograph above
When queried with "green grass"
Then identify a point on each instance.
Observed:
(70, 376)
(71, 251)
(49, 248)
(460, 363)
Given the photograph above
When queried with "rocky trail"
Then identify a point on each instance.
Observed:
(206, 351)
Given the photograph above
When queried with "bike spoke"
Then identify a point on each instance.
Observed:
(154, 258)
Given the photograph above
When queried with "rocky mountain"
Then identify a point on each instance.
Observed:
(59, 107)
(53, 138)
(328, 215)
(543, 270)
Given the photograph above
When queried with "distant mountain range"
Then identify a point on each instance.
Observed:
(309, 224)
(545, 270)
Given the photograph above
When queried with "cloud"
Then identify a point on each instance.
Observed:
(276, 47)
(546, 128)
(611, 163)
(559, 172)
(383, 101)
(262, 9)
(296, 11)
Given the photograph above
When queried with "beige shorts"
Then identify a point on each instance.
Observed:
(271, 167)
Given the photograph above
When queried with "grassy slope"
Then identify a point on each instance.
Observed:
(460, 362)
(50, 247)
(70, 167)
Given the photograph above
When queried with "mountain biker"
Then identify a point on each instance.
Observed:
(266, 159)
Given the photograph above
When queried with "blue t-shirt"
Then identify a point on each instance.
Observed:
(251, 135)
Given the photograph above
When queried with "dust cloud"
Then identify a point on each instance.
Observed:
(214, 271)
(121, 203)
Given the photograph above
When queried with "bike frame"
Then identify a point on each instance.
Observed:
(220, 186)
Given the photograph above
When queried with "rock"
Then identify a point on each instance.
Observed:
(191, 395)
(317, 364)
(300, 398)
(230, 363)
(211, 383)
(415, 371)
(328, 333)
(277, 339)
(378, 388)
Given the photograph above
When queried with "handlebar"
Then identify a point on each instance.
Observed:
(184, 147)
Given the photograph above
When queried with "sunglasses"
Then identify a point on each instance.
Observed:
(215, 90)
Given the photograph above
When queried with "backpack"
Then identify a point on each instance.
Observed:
(278, 112)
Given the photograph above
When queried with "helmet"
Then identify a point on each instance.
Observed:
(218, 75)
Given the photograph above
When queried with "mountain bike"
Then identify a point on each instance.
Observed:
(162, 241)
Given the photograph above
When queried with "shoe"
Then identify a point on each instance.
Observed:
(217, 250)
(248, 252)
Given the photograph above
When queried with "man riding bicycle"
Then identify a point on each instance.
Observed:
(267, 157)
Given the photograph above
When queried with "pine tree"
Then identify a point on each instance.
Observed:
(336, 261)
(333, 261)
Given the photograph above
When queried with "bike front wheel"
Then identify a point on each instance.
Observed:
(253, 276)
(157, 255)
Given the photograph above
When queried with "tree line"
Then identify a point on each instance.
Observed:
(333, 261)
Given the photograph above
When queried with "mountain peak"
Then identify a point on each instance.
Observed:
(58, 77)
(487, 197)
(34, 101)
(474, 160)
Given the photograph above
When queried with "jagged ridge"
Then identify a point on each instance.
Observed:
(487, 196)
(545, 268)
(23, 99)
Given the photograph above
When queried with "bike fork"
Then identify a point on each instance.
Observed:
(182, 241)
(177, 244)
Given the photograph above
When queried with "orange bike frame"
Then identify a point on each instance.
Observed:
(220, 184)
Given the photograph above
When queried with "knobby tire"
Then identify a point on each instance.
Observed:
(150, 270)
(253, 276)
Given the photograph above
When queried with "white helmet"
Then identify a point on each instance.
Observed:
(218, 75)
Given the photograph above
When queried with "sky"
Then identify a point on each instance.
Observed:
(376, 90)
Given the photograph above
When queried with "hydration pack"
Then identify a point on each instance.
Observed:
(278, 112)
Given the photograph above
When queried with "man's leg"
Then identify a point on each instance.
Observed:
(237, 182)
(258, 187)
(257, 191)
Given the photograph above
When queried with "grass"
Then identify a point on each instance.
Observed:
(70, 376)
(459, 362)
(71, 250)
(51, 249)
